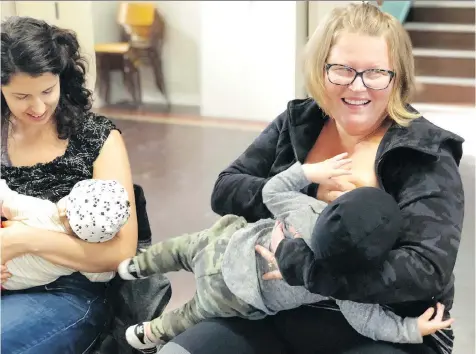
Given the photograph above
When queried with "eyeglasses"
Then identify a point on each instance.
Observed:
(343, 75)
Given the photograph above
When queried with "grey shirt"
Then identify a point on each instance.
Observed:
(243, 269)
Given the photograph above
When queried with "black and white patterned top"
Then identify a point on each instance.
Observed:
(54, 180)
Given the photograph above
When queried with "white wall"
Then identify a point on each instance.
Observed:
(249, 57)
(180, 57)
(459, 120)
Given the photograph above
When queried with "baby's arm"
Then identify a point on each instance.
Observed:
(281, 194)
(378, 323)
(373, 321)
(33, 211)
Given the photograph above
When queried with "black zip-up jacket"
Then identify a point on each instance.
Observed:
(417, 165)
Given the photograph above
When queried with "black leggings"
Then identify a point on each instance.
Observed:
(307, 330)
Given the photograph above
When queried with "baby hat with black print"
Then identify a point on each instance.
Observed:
(97, 209)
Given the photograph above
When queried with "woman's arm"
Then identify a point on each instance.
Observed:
(238, 188)
(422, 263)
(72, 252)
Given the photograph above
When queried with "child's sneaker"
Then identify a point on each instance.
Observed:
(137, 338)
(129, 270)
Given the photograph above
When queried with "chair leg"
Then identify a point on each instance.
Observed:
(137, 86)
(107, 86)
(132, 77)
(104, 88)
(100, 83)
(103, 82)
(127, 74)
(156, 61)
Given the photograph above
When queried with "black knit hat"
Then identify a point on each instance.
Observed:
(357, 230)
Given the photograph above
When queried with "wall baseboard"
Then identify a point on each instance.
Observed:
(175, 99)
(157, 98)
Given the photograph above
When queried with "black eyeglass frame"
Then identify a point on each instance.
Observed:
(360, 73)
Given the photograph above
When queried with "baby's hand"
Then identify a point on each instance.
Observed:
(4, 274)
(322, 172)
(427, 326)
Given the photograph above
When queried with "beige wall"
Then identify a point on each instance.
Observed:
(74, 15)
(7, 9)
(319, 9)
(104, 15)
(205, 66)
(301, 35)
(181, 58)
(182, 50)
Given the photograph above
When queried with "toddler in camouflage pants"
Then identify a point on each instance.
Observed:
(228, 273)
(202, 254)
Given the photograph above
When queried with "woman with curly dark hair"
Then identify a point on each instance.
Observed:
(50, 141)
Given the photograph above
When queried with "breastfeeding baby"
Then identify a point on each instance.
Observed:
(95, 210)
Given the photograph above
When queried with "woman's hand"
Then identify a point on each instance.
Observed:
(427, 326)
(4, 274)
(13, 242)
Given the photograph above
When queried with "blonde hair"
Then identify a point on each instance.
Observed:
(368, 20)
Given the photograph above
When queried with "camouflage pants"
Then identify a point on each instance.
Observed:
(200, 253)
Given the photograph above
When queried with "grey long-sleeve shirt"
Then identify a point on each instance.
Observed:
(243, 269)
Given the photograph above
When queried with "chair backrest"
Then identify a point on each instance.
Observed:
(142, 23)
(136, 14)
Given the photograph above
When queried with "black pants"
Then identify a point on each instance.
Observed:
(307, 330)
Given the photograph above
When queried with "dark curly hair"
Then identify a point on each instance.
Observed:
(34, 47)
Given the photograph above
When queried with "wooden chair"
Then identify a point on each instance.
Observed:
(117, 57)
(143, 35)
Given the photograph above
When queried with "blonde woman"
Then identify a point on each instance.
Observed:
(360, 75)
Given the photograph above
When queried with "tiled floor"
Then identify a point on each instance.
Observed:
(178, 162)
